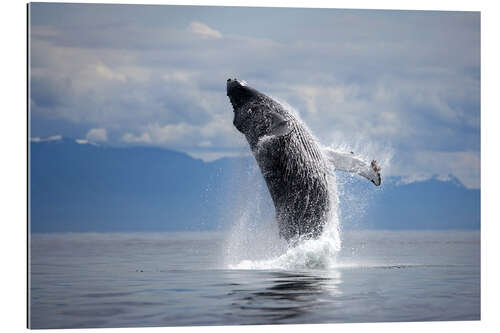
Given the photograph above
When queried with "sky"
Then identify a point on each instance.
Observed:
(402, 87)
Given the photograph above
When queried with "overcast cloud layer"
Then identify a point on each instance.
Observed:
(399, 86)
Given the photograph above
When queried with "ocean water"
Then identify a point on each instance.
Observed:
(82, 280)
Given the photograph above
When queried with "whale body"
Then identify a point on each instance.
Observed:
(297, 171)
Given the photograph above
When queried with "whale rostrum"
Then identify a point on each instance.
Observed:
(296, 170)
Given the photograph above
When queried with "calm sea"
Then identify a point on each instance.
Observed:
(177, 279)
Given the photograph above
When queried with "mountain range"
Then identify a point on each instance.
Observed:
(82, 187)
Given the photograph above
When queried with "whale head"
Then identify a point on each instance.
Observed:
(240, 93)
(243, 99)
(255, 114)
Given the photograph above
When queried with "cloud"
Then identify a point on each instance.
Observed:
(157, 77)
(209, 156)
(97, 135)
(131, 138)
(204, 30)
(50, 138)
(186, 135)
(105, 72)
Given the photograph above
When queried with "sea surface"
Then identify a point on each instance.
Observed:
(84, 280)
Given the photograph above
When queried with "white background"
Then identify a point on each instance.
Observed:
(13, 157)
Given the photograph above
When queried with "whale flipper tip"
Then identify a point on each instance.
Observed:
(377, 169)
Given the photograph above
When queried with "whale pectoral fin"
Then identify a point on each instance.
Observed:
(350, 163)
(279, 125)
(281, 129)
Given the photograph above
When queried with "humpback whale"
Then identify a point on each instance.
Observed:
(297, 171)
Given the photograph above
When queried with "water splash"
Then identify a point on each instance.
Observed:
(253, 241)
(355, 193)
(309, 254)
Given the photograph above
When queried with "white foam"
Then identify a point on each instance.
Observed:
(309, 254)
